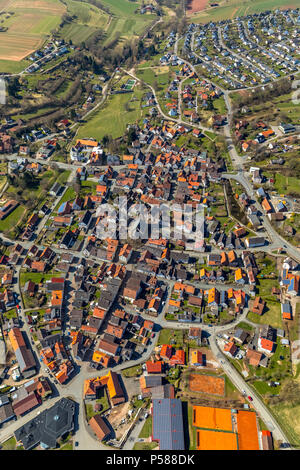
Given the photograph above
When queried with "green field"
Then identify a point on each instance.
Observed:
(87, 19)
(166, 336)
(28, 25)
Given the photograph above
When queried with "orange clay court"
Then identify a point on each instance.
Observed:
(207, 384)
(247, 430)
(212, 418)
(216, 440)
(196, 5)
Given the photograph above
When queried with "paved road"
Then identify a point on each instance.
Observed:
(165, 116)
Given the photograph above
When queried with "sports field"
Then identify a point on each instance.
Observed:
(28, 23)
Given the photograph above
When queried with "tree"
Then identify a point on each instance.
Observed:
(131, 135)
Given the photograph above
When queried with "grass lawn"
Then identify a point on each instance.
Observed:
(293, 325)
(11, 314)
(263, 388)
(12, 219)
(36, 277)
(220, 106)
(11, 66)
(288, 417)
(67, 446)
(151, 76)
(210, 135)
(10, 444)
(89, 408)
(286, 184)
(63, 176)
(264, 288)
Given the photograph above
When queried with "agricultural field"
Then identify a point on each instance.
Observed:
(28, 25)
(228, 9)
(155, 75)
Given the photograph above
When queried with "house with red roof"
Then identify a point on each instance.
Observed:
(230, 348)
